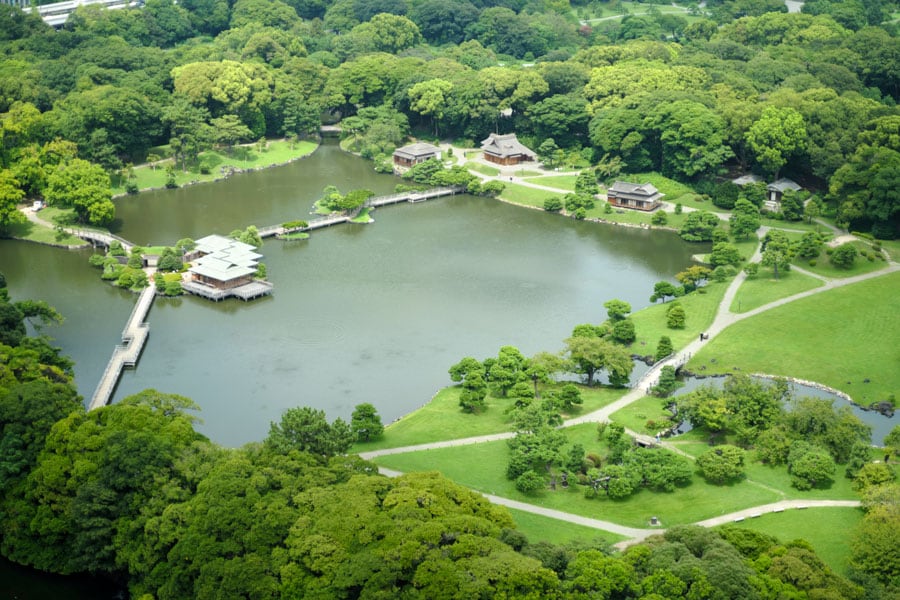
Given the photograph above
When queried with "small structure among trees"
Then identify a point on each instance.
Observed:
(413, 154)
(775, 192)
(224, 267)
(633, 195)
(506, 150)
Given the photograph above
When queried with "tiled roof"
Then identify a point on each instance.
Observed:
(505, 145)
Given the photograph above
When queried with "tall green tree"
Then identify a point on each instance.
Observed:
(776, 136)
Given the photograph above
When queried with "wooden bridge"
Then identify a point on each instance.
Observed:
(374, 202)
(57, 13)
(99, 238)
(134, 336)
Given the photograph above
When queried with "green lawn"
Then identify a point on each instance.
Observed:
(893, 248)
(862, 265)
(482, 467)
(520, 194)
(525, 173)
(244, 157)
(671, 188)
(43, 235)
(809, 337)
(795, 225)
(483, 169)
(827, 529)
(563, 182)
(442, 419)
(650, 323)
(538, 528)
(754, 293)
(636, 415)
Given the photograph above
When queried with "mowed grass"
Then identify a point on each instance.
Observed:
(482, 467)
(527, 196)
(754, 293)
(563, 182)
(242, 157)
(636, 415)
(827, 529)
(840, 338)
(538, 528)
(43, 235)
(650, 323)
(862, 264)
(483, 169)
(442, 419)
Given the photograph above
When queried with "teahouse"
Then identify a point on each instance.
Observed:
(633, 195)
(506, 150)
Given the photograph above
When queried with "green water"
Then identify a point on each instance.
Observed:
(361, 313)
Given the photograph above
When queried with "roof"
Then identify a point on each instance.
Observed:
(505, 145)
(745, 179)
(417, 150)
(784, 184)
(225, 259)
(635, 189)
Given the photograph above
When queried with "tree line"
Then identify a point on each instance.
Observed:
(810, 95)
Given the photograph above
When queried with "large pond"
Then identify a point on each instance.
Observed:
(361, 313)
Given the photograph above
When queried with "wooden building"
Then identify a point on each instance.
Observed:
(633, 195)
(413, 154)
(223, 267)
(506, 150)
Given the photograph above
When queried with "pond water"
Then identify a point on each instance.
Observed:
(361, 313)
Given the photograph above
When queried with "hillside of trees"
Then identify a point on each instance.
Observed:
(743, 85)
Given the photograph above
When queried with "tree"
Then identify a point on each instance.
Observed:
(228, 130)
(662, 290)
(10, 196)
(529, 482)
(547, 152)
(675, 316)
(691, 277)
(724, 253)
(659, 218)
(84, 187)
(588, 355)
(664, 347)
(810, 466)
(699, 226)
(667, 382)
(744, 220)
(777, 135)
(623, 331)
(777, 251)
(810, 245)
(307, 430)
(844, 256)
(365, 423)
(617, 309)
(722, 464)
(430, 98)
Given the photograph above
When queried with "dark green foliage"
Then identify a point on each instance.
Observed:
(664, 347)
(810, 466)
(844, 256)
(553, 204)
(659, 218)
(365, 423)
(306, 430)
(699, 226)
(676, 316)
(722, 464)
(667, 382)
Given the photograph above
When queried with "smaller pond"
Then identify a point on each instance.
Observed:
(23, 583)
(881, 425)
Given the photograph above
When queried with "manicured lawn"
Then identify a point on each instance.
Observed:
(441, 419)
(827, 529)
(777, 477)
(362, 217)
(650, 323)
(636, 415)
(520, 194)
(619, 215)
(671, 188)
(862, 265)
(483, 169)
(892, 247)
(795, 225)
(244, 157)
(563, 182)
(482, 467)
(830, 337)
(525, 173)
(43, 235)
(538, 528)
(764, 288)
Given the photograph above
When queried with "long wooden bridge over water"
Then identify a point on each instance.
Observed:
(134, 336)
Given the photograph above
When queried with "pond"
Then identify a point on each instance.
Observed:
(361, 313)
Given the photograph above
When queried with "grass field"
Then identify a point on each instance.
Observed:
(810, 337)
(862, 265)
(526, 173)
(43, 235)
(520, 194)
(694, 502)
(825, 528)
(483, 169)
(650, 323)
(442, 419)
(243, 157)
(563, 182)
(636, 415)
(754, 293)
(538, 528)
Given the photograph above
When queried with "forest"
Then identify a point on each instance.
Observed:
(694, 95)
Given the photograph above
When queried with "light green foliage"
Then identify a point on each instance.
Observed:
(776, 136)
(844, 256)
(429, 98)
(676, 317)
(306, 430)
(810, 466)
(10, 196)
(722, 464)
(664, 347)
(777, 251)
(617, 309)
(724, 253)
(365, 423)
(744, 220)
(588, 355)
(699, 226)
(84, 187)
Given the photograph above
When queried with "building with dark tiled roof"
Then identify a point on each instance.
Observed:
(634, 195)
(506, 150)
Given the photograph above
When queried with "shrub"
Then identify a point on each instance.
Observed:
(813, 263)
(580, 214)
(678, 208)
(659, 218)
(131, 187)
(844, 256)
(553, 204)
(96, 260)
(529, 482)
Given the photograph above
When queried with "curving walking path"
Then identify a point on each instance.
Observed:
(724, 318)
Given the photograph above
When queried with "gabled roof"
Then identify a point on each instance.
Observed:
(417, 150)
(213, 243)
(225, 259)
(635, 189)
(784, 184)
(505, 145)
